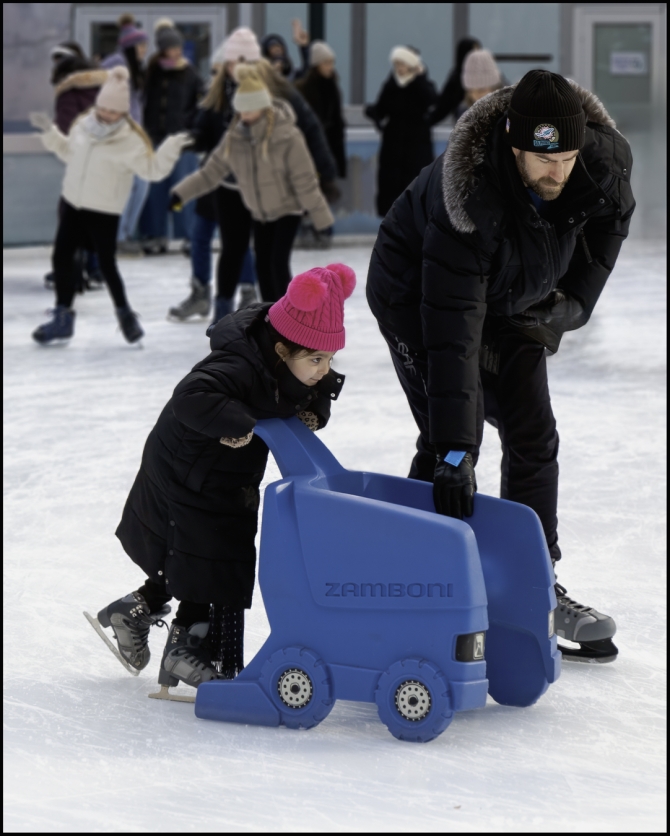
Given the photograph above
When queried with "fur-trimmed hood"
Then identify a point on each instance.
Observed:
(83, 78)
(467, 147)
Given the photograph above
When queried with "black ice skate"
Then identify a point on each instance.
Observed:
(585, 625)
(225, 640)
(130, 620)
(186, 659)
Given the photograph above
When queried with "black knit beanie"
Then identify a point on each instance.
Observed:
(545, 115)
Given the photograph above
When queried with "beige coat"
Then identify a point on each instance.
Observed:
(275, 173)
(99, 172)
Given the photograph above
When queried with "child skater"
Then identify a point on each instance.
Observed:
(191, 517)
(102, 152)
(266, 155)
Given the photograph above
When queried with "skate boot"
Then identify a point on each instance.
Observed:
(248, 295)
(197, 304)
(130, 620)
(225, 640)
(129, 248)
(592, 630)
(50, 280)
(60, 329)
(155, 246)
(129, 324)
(185, 659)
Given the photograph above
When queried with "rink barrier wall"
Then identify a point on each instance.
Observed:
(32, 180)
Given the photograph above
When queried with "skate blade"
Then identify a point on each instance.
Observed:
(598, 653)
(95, 624)
(195, 319)
(165, 694)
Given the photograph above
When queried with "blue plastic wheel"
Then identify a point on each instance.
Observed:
(413, 700)
(298, 684)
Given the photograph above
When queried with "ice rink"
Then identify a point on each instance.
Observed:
(85, 750)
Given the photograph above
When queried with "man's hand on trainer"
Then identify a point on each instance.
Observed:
(455, 485)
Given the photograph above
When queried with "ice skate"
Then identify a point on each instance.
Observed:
(592, 630)
(59, 330)
(130, 620)
(129, 324)
(155, 246)
(185, 659)
(129, 249)
(225, 640)
(248, 295)
(196, 304)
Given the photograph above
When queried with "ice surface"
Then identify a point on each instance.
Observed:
(87, 751)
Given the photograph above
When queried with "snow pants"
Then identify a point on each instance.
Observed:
(516, 401)
(84, 228)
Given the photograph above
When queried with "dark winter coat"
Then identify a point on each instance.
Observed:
(170, 99)
(75, 94)
(191, 516)
(453, 92)
(464, 248)
(401, 114)
(286, 68)
(323, 96)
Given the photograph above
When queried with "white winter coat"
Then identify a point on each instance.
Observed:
(99, 172)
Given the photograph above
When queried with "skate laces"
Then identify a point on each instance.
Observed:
(566, 601)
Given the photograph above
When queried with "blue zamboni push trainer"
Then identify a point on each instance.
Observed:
(374, 597)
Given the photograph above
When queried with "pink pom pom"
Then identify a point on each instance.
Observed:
(347, 277)
(307, 292)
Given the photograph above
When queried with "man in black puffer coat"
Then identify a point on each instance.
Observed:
(480, 267)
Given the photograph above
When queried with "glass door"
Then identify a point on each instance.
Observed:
(203, 27)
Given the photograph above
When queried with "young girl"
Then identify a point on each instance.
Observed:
(268, 157)
(192, 514)
(102, 152)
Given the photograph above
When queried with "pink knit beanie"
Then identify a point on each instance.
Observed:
(115, 92)
(241, 45)
(312, 311)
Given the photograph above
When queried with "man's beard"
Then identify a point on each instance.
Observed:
(545, 187)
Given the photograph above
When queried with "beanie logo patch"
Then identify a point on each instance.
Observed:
(545, 136)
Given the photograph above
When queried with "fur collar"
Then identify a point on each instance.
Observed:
(467, 146)
(82, 78)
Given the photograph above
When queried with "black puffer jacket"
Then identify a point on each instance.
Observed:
(401, 115)
(464, 248)
(192, 513)
(170, 99)
(323, 96)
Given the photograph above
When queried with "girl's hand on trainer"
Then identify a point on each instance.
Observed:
(41, 121)
(237, 442)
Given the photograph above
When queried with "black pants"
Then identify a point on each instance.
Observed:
(273, 242)
(516, 401)
(82, 228)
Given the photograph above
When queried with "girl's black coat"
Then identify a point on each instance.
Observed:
(401, 113)
(191, 515)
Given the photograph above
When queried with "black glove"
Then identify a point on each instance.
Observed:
(331, 191)
(549, 320)
(176, 204)
(454, 487)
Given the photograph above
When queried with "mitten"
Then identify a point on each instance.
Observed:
(310, 420)
(237, 442)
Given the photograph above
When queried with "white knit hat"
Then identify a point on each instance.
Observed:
(406, 55)
(480, 70)
(251, 93)
(319, 52)
(115, 92)
(240, 45)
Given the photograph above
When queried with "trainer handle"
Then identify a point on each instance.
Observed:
(297, 450)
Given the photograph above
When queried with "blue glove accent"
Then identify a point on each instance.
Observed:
(454, 457)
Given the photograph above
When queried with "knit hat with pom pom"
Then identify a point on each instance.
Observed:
(312, 311)
(115, 92)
